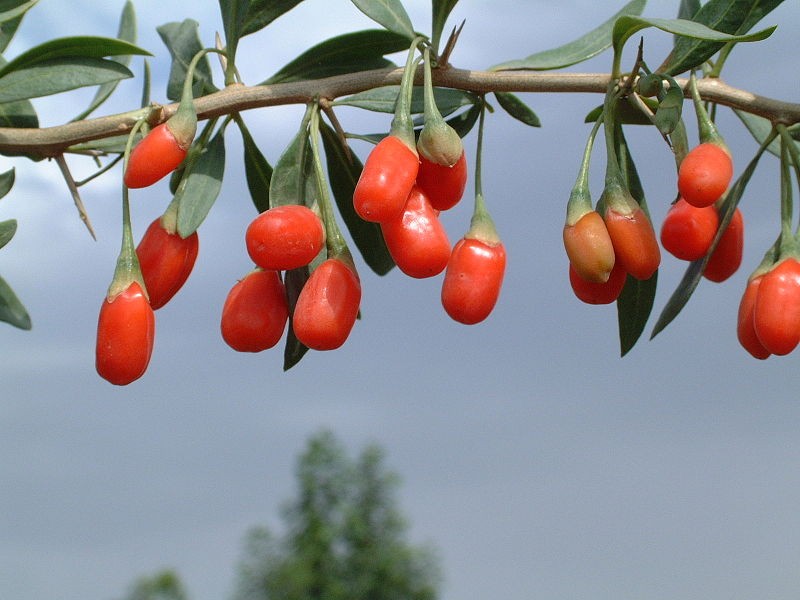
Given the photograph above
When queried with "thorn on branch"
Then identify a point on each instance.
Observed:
(76, 197)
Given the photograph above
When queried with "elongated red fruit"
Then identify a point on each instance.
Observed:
(389, 172)
(156, 156)
(125, 335)
(635, 243)
(327, 306)
(592, 292)
(589, 247)
(255, 312)
(704, 174)
(687, 231)
(473, 280)
(727, 256)
(166, 260)
(285, 237)
(417, 240)
(444, 185)
(745, 325)
(776, 316)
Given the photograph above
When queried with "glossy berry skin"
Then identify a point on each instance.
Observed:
(444, 185)
(285, 237)
(589, 248)
(389, 172)
(592, 292)
(687, 231)
(166, 260)
(776, 316)
(255, 312)
(155, 157)
(473, 280)
(327, 306)
(416, 239)
(745, 325)
(125, 335)
(705, 174)
(727, 256)
(635, 243)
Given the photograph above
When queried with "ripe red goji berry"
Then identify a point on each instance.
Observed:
(166, 260)
(745, 325)
(727, 256)
(327, 306)
(125, 335)
(417, 240)
(156, 156)
(255, 312)
(473, 280)
(704, 174)
(776, 316)
(386, 180)
(285, 237)
(443, 185)
(635, 243)
(589, 247)
(687, 231)
(592, 292)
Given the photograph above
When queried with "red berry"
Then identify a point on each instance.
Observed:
(444, 185)
(745, 326)
(166, 260)
(635, 244)
(727, 256)
(255, 312)
(285, 237)
(704, 174)
(125, 334)
(416, 239)
(589, 247)
(156, 156)
(389, 172)
(327, 306)
(776, 316)
(687, 231)
(473, 280)
(592, 292)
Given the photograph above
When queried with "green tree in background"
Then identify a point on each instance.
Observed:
(345, 537)
(164, 585)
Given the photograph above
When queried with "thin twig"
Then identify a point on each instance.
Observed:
(76, 197)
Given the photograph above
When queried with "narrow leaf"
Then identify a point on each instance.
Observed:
(760, 128)
(288, 181)
(294, 350)
(688, 9)
(383, 99)
(59, 75)
(390, 14)
(263, 12)
(584, 48)
(344, 169)
(441, 10)
(233, 13)
(515, 107)
(7, 231)
(10, 19)
(348, 53)
(669, 110)
(464, 122)
(257, 170)
(183, 41)
(200, 187)
(11, 309)
(6, 182)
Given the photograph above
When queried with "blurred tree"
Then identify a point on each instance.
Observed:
(345, 537)
(164, 585)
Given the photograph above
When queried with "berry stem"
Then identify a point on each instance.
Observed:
(402, 123)
(580, 201)
(481, 225)
(707, 130)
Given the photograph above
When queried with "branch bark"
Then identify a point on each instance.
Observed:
(52, 141)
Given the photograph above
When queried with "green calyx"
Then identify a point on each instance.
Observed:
(580, 199)
(481, 225)
(706, 127)
(438, 142)
(402, 123)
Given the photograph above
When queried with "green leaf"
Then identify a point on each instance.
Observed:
(294, 350)
(344, 169)
(257, 170)
(126, 32)
(263, 12)
(627, 113)
(183, 41)
(464, 122)
(348, 53)
(584, 48)
(727, 16)
(7, 231)
(17, 114)
(694, 272)
(59, 75)
(390, 14)
(11, 309)
(515, 107)
(7, 182)
(760, 128)
(70, 48)
(288, 182)
(10, 19)
(200, 187)
(627, 26)
(441, 10)
(383, 99)
(669, 110)
(688, 9)
(234, 13)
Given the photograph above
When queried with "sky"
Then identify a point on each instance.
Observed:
(535, 460)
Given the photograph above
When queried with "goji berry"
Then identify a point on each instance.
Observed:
(444, 185)
(727, 256)
(386, 180)
(166, 260)
(635, 244)
(592, 292)
(745, 325)
(704, 174)
(156, 156)
(687, 231)
(776, 316)
(589, 247)
(473, 279)
(255, 312)
(285, 237)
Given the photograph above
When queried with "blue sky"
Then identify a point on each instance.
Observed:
(537, 462)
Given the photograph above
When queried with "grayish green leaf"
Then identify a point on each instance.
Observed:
(7, 182)
(584, 48)
(257, 170)
(383, 99)
(294, 350)
(288, 182)
(760, 128)
(7, 231)
(669, 110)
(183, 41)
(11, 309)
(441, 10)
(515, 107)
(263, 12)
(390, 14)
(688, 9)
(10, 18)
(200, 187)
